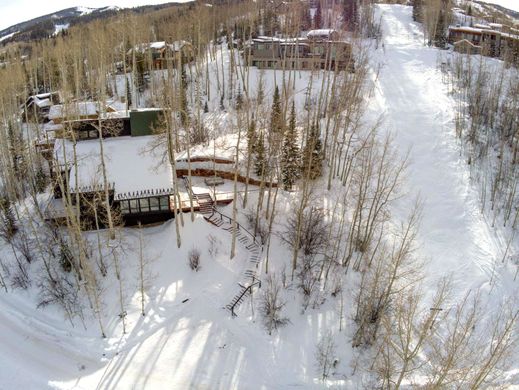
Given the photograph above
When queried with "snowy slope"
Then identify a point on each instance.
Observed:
(456, 239)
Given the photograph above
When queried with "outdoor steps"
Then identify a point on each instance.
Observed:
(249, 276)
(205, 203)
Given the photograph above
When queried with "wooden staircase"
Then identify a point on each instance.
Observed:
(249, 279)
(205, 202)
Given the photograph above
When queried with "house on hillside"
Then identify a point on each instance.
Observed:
(321, 49)
(36, 107)
(218, 160)
(60, 113)
(493, 40)
(464, 46)
(161, 55)
(84, 119)
(140, 181)
(140, 184)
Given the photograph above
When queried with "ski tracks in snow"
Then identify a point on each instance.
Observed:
(455, 238)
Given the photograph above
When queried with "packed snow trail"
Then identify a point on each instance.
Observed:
(455, 239)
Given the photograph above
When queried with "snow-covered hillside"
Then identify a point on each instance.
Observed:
(187, 340)
(455, 237)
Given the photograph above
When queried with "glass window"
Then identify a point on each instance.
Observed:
(134, 206)
(154, 204)
(125, 207)
(164, 203)
(145, 206)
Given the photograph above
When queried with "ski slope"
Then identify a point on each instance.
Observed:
(455, 239)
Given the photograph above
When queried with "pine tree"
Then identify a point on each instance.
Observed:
(349, 14)
(313, 154)
(222, 106)
(417, 10)
(128, 94)
(251, 137)
(206, 107)
(261, 92)
(276, 123)
(260, 163)
(306, 22)
(8, 226)
(290, 153)
(184, 109)
(16, 149)
(239, 99)
(439, 35)
(318, 16)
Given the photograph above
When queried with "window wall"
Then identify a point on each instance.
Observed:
(152, 204)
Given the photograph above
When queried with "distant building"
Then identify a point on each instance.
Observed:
(161, 55)
(321, 49)
(36, 108)
(74, 111)
(493, 40)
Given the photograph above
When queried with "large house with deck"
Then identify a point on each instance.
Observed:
(493, 40)
(161, 55)
(320, 49)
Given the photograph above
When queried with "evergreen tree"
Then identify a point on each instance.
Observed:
(350, 15)
(290, 153)
(184, 109)
(260, 162)
(439, 35)
(16, 150)
(417, 10)
(206, 107)
(28, 84)
(251, 137)
(318, 16)
(8, 226)
(313, 154)
(306, 22)
(239, 99)
(276, 122)
(222, 106)
(128, 94)
(40, 181)
(261, 92)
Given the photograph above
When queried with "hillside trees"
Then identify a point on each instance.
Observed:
(290, 153)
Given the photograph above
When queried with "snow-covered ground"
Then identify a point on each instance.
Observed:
(195, 343)
(455, 237)
(510, 4)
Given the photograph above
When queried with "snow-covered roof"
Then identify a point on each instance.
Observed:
(467, 29)
(159, 45)
(131, 164)
(223, 148)
(465, 42)
(115, 105)
(325, 32)
(74, 109)
(43, 103)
